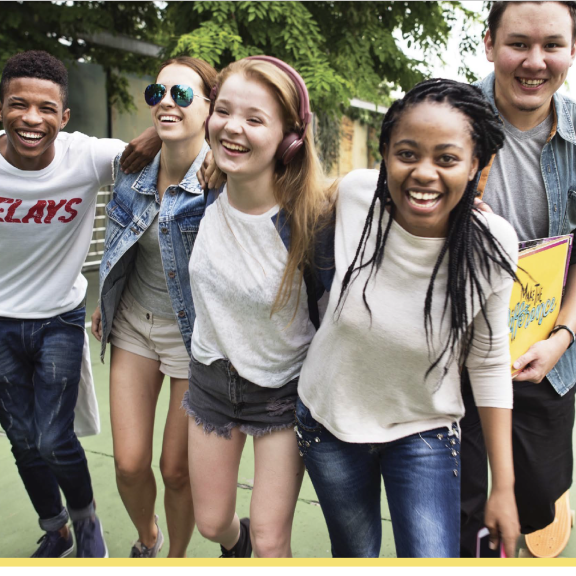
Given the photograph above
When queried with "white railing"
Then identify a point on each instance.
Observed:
(96, 252)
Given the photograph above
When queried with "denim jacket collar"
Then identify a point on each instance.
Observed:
(565, 123)
(565, 126)
(147, 179)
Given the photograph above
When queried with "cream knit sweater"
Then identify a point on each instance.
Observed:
(365, 381)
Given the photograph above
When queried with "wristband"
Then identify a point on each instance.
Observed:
(564, 327)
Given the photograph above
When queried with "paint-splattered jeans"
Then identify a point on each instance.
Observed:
(422, 480)
(40, 364)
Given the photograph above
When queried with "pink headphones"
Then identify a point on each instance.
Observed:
(293, 141)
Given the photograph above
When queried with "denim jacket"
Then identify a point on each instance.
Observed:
(134, 205)
(558, 166)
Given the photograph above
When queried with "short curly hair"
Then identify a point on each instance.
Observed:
(36, 64)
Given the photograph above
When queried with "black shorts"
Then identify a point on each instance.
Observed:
(220, 399)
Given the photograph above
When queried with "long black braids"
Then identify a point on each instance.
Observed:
(472, 249)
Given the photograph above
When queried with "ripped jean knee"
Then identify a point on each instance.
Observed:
(40, 363)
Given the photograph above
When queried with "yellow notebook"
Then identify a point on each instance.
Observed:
(535, 302)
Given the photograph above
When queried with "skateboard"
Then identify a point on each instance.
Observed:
(550, 541)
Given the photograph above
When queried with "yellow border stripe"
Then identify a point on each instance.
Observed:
(293, 562)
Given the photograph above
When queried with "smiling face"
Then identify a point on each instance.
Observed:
(532, 53)
(32, 112)
(429, 162)
(246, 128)
(175, 123)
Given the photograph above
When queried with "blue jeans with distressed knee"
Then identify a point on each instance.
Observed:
(421, 476)
(40, 362)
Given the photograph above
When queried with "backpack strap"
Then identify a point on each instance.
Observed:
(313, 311)
(283, 226)
(317, 278)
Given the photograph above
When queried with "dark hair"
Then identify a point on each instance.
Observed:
(498, 8)
(203, 69)
(36, 64)
(471, 247)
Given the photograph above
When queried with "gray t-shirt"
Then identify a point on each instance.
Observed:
(515, 188)
(147, 282)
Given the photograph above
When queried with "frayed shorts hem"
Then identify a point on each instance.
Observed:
(226, 431)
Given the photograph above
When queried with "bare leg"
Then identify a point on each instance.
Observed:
(135, 383)
(214, 463)
(279, 471)
(174, 467)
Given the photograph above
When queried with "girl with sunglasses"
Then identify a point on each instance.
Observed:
(146, 310)
(253, 323)
(421, 288)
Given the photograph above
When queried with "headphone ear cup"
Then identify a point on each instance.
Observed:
(289, 147)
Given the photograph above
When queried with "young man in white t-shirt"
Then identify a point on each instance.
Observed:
(48, 187)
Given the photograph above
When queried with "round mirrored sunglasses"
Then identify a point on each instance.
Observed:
(182, 95)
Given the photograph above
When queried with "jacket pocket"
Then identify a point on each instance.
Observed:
(118, 219)
(189, 226)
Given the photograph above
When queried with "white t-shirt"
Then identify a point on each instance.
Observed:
(365, 381)
(235, 272)
(46, 221)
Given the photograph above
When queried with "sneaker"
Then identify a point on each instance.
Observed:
(54, 545)
(90, 538)
(242, 548)
(140, 550)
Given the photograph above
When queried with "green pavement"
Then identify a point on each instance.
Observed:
(18, 522)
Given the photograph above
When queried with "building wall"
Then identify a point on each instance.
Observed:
(89, 105)
(354, 152)
(87, 100)
(128, 125)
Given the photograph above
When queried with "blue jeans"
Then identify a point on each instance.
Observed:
(422, 480)
(40, 362)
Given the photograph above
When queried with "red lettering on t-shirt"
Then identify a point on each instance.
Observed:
(8, 201)
(52, 209)
(73, 213)
(11, 210)
(36, 212)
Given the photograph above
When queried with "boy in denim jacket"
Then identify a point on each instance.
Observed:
(532, 183)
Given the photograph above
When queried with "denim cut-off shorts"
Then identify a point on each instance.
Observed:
(220, 399)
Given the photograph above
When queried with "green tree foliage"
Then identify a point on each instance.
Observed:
(342, 49)
(59, 28)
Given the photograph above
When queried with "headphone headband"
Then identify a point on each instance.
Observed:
(304, 110)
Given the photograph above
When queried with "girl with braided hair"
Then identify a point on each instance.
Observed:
(421, 288)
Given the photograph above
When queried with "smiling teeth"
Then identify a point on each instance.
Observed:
(235, 147)
(169, 119)
(526, 82)
(31, 135)
(423, 195)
